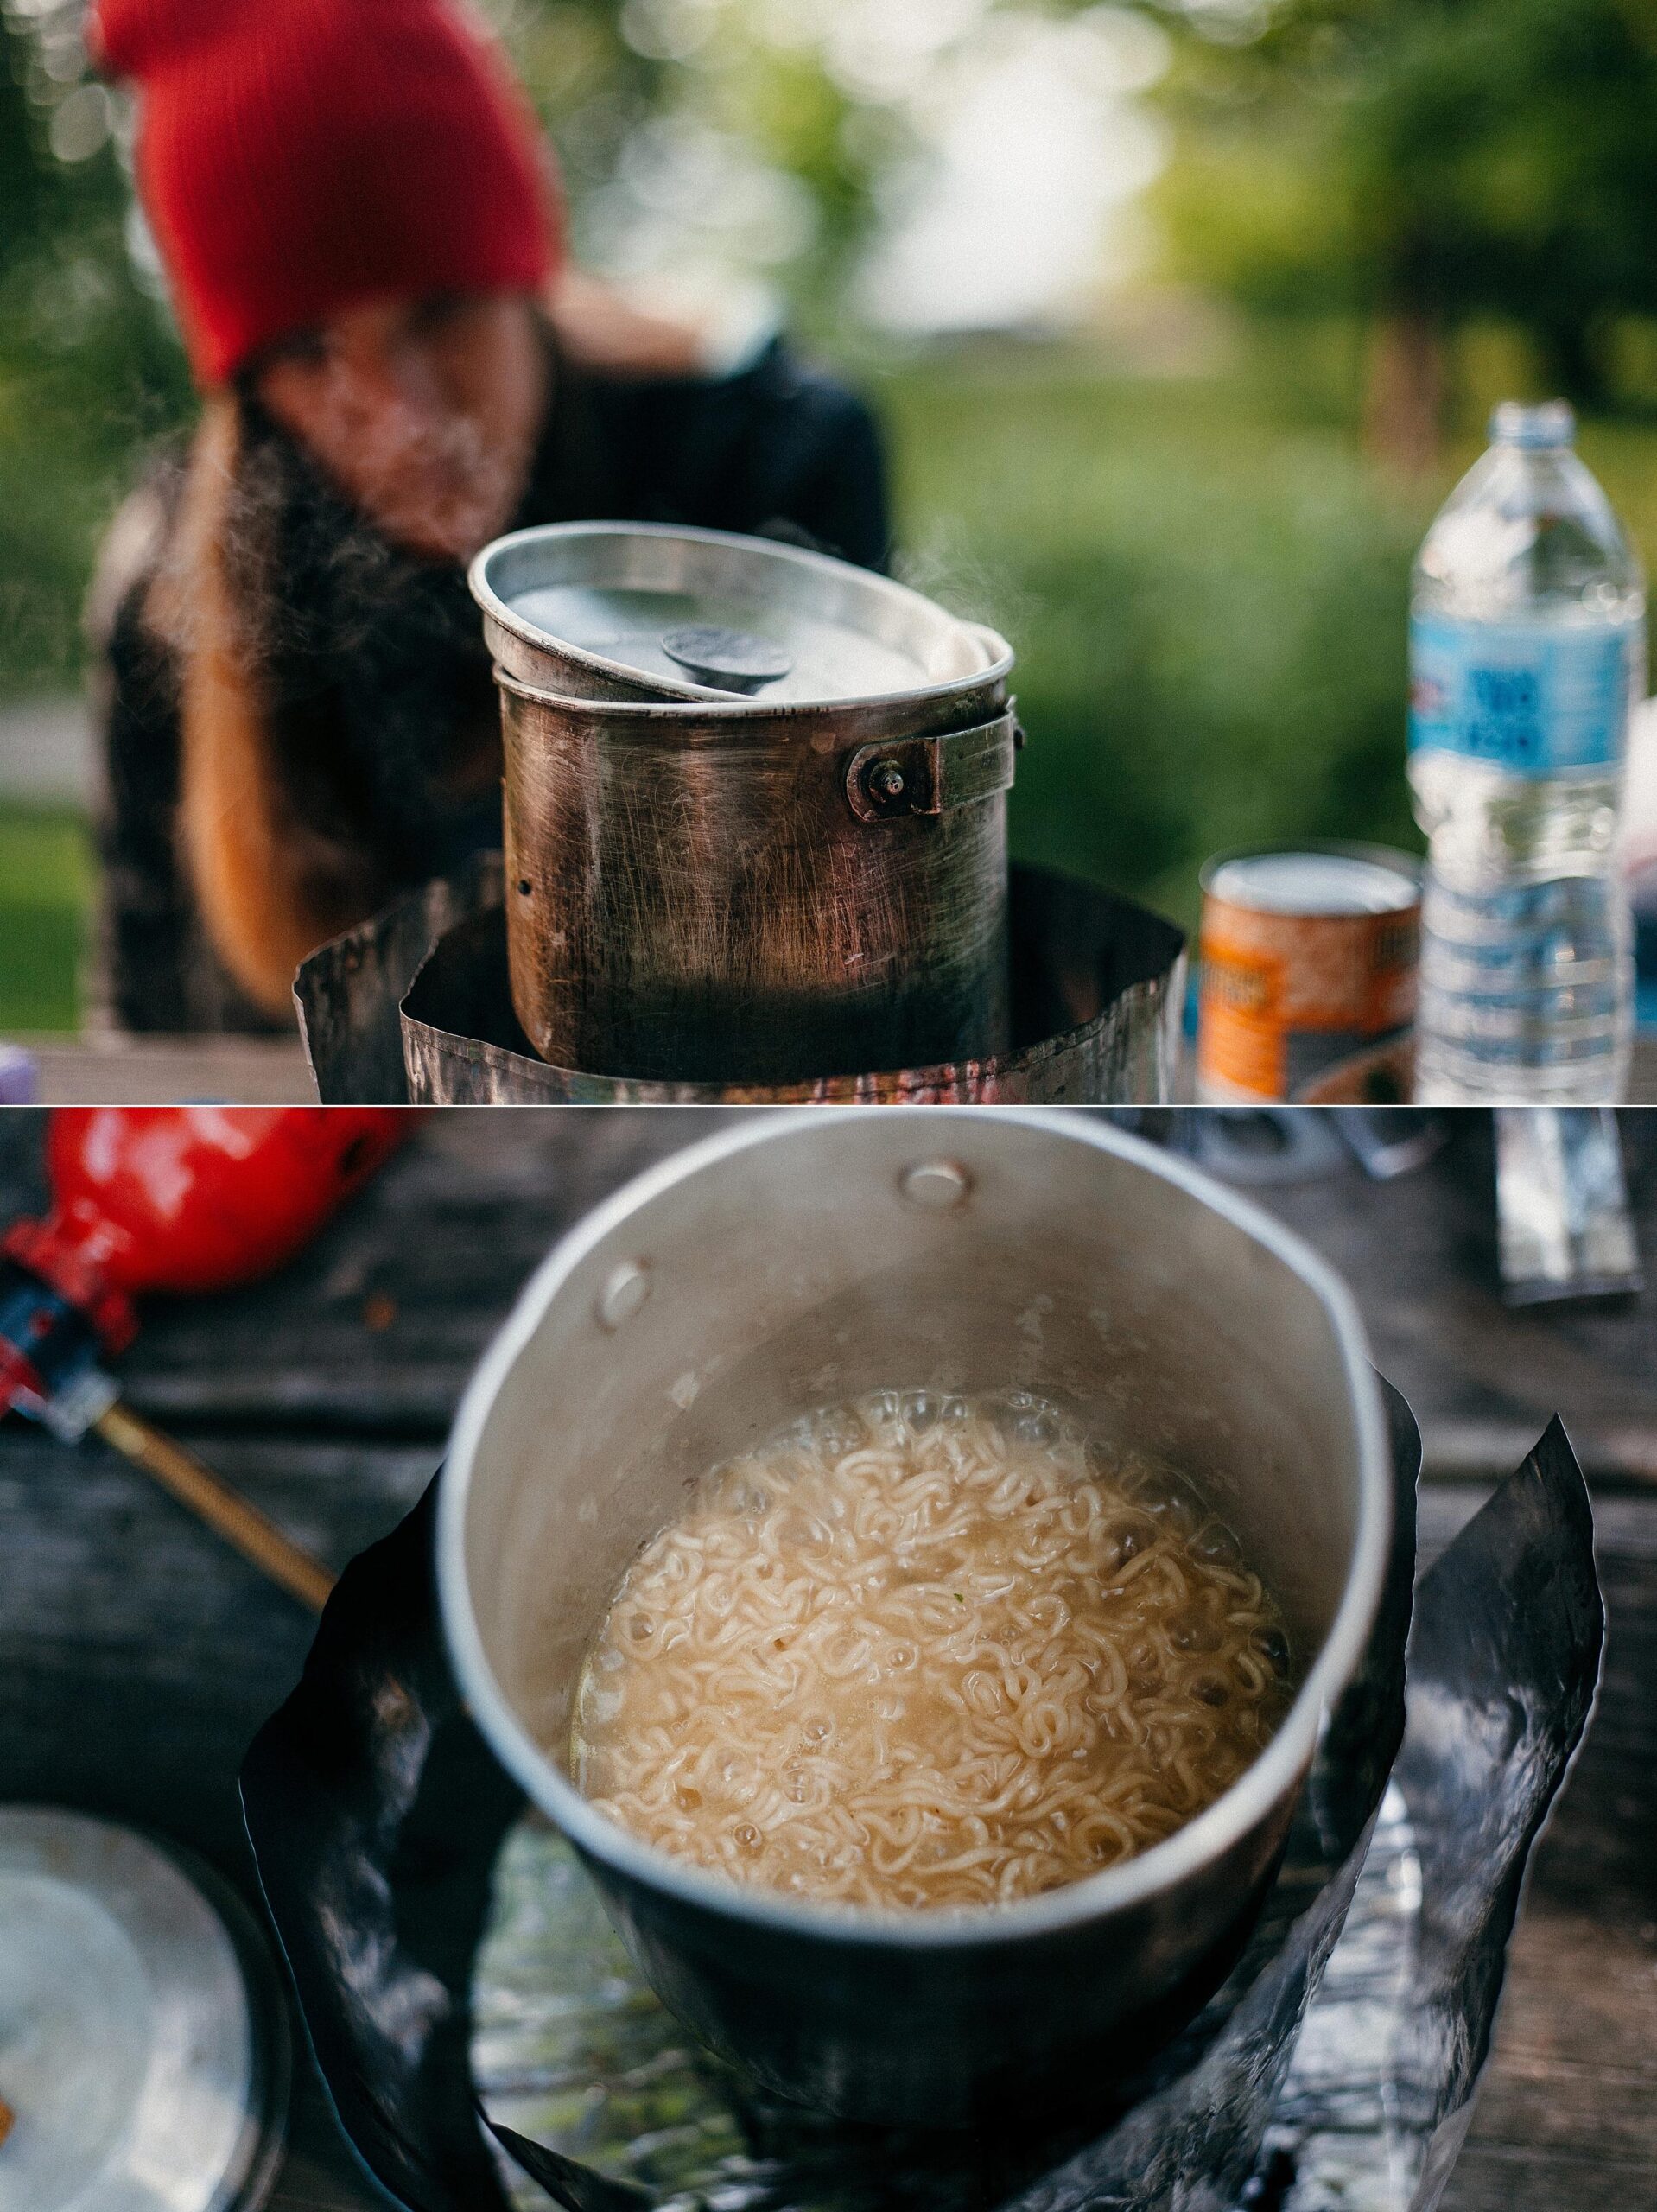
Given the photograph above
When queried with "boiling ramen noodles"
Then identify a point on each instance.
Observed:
(927, 1652)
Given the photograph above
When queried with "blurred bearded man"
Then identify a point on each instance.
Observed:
(361, 232)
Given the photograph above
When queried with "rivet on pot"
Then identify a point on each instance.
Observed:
(886, 781)
(625, 1288)
(938, 1185)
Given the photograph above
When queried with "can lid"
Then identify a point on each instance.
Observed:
(694, 613)
(140, 2058)
(1313, 883)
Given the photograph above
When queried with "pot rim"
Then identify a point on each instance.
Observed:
(1274, 1775)
(678, 701)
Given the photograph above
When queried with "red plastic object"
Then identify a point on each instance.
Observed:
(191, 1197)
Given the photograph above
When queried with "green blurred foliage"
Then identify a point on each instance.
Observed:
(45, 888)
(1207, 594)
(89, 368)
(1457, 158)
(589, 85)
(601, 73)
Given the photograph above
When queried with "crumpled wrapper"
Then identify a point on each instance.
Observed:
(376, 1813)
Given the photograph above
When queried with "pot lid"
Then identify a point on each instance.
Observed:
(139, 2064)
(695, 613)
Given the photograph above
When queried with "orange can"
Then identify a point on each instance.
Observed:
(1307, 989)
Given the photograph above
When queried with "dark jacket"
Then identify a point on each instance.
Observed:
(775, 450)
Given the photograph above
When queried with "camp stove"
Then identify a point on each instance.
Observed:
(755, 849)
(415, 1005)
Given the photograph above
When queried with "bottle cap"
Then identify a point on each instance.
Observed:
(1533, 425)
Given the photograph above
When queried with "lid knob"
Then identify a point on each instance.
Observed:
(731, 660)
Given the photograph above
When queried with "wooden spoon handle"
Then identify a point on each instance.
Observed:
(224, 1509)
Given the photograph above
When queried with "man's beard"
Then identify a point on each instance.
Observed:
(368, 663)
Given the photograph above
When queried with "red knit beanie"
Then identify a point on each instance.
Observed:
(299, 157)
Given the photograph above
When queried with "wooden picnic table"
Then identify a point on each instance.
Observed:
(72, 1070)
(273, 1070)
(137, 1657)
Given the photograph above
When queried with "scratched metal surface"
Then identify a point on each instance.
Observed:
(1097, 989)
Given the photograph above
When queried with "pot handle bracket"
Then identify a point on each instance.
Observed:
(902, 776)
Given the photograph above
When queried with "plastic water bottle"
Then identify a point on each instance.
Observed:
(1527, 651)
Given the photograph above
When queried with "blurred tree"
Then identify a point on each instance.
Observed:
(708, 138)
(89, 367)
(1426, 162)
(74, 302)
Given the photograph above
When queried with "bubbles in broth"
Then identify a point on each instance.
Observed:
(928, 1651)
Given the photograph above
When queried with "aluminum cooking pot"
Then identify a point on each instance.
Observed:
(804, 1258)
(755, 808)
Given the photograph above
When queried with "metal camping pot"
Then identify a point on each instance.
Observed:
(802, 1258)
(755, 808)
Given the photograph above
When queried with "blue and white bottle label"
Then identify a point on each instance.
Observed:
(1532, 698)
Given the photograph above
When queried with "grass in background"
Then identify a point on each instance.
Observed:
(46, 889)
(1206, 593)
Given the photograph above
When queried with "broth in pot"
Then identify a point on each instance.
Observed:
(928, 1651)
